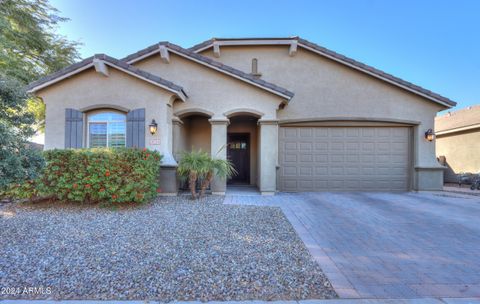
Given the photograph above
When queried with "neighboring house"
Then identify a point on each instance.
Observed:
(291, 115)
(35, 146)
(458, 142)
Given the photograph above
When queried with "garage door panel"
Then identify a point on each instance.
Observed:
(368, 132)
(367, 158)
(398, 158)
(383, 146)
(337, 158)
(321, 158)
(321, 172)
(383, 132)
(337, 133)
(290, 133)
(305, 146)
(336, 171)
(344, 159)
(320, 132)
(382, 158)
(368, 146)
(353, 170)
(336, 146)
(321, 145)
(368, 171)
(352, 158)
(353, 132)
(321, 184)
(306, 158)
(289, 158)
(290, 171)
(292, 146)
(306, 184)
(352, 146)
(306, 132)
(290, 185)
(306, 171)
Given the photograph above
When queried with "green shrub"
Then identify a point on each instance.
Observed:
(101, 175)
(18, 162)
(27, 189)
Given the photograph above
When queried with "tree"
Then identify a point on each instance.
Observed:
(29, 48)
(29, 45)
(18, 162)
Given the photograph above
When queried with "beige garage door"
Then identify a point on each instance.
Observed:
(344, 158)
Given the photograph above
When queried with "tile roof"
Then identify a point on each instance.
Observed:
(458, 119)
(34, 86)
(346, 60)
(212, 63)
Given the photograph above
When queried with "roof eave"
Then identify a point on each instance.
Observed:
(457, 129)
(180, 93)
(448, 105)
(209, 43)
(287, 97)
(154, 50)
(33, 89)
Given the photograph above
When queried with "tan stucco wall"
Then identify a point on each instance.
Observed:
(198, 132)
(461, 150)
(89, 89)
(326, 89)
(209, 89)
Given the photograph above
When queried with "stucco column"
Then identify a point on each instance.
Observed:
(177, 124)
(168, 168)
(428, 173)
(268, 160)
(219, 150)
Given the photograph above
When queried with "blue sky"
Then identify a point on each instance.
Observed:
(435, 44)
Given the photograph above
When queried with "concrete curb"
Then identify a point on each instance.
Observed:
(332, 301)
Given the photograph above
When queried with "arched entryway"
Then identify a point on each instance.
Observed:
(242, 148)
(192, 131)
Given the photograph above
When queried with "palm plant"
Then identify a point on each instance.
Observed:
(222, 168)
(192, 166)
(198, 165)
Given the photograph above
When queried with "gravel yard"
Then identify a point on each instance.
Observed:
(173, 249)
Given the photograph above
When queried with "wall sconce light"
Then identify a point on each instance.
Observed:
(153, 127)
(429, 135)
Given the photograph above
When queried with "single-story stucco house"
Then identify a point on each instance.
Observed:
(291, 115)
(458, 142)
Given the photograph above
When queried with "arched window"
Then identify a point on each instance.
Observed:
(106, 128)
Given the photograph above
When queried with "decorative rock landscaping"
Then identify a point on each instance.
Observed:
(172, 249)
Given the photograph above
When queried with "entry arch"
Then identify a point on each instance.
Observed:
(243, 112)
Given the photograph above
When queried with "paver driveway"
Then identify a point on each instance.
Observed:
(387, 245)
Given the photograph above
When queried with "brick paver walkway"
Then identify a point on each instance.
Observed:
(385, 245)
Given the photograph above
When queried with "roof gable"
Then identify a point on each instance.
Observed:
(210, 63)
(112, 62)
(333, 56)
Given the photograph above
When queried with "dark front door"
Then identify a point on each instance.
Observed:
(238, 152)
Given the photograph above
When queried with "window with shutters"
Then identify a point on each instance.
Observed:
(106, 129)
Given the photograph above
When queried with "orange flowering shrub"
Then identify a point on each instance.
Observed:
(101, 175)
